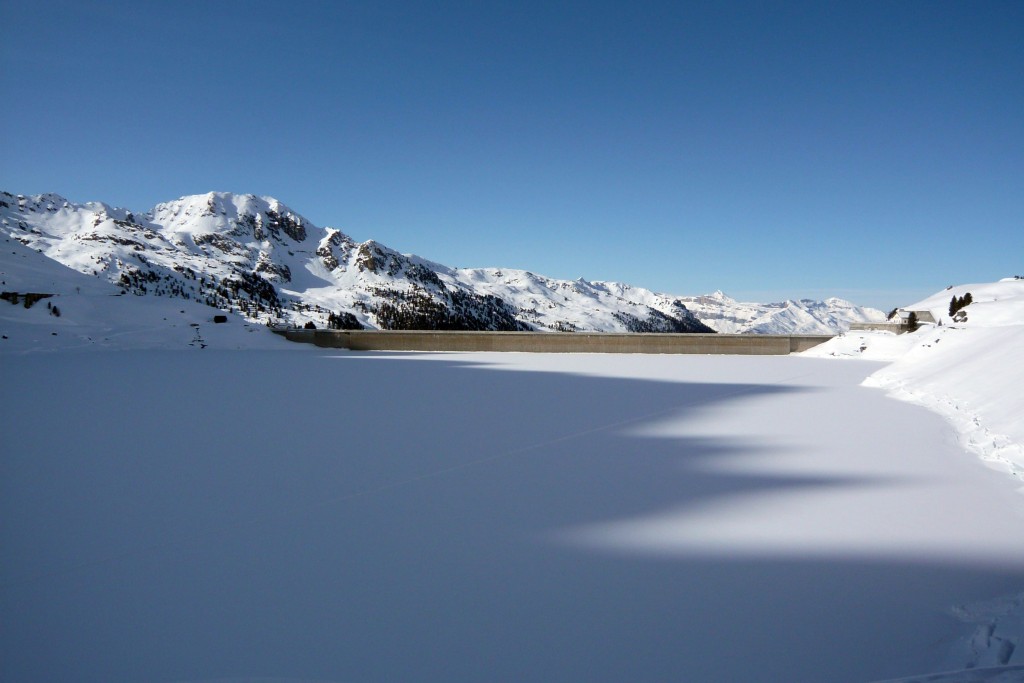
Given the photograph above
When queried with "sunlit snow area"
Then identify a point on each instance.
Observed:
(247, 509)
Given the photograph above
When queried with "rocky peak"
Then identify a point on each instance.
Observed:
(256, 255)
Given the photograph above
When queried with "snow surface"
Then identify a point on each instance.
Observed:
(177, 511)
(970, 372)
(340, 516)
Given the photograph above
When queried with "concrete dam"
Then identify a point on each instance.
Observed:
(556, 342)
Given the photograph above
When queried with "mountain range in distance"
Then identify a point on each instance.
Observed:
(256, 256)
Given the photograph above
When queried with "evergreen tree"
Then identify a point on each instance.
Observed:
(960, 302)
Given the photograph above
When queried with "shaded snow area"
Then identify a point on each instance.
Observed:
(330, 516)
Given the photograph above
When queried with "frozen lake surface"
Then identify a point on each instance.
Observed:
(309, 515)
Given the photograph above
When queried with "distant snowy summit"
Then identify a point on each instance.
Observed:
(256, 256)
(789, 317)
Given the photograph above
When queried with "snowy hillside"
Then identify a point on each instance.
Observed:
(969, 368)
(84, 312)
(255, 256)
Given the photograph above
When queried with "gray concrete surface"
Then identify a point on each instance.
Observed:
(887, 326)
(556, 342)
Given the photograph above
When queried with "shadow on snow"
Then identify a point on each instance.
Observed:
(338, 519)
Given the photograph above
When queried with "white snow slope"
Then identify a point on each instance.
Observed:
(93, 313)
(971, 372)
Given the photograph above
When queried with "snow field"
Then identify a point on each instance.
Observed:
(462, 517)
(310, 515)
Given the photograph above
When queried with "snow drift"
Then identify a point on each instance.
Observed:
(969, 370)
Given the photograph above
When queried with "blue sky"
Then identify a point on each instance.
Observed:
(870, 150)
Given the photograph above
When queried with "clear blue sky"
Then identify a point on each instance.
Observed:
(871, 150)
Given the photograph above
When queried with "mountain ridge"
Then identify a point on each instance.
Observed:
(256, 255)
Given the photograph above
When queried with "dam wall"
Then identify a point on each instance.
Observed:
(556, 342)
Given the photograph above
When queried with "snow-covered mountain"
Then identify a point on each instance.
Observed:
(256, 256)
(789, 317)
